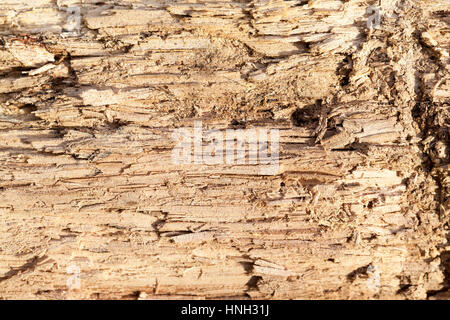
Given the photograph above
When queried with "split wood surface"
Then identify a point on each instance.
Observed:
(359, 208)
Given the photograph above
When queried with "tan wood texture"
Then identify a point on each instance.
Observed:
(359, 208)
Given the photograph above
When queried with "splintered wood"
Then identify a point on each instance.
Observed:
(92, 92)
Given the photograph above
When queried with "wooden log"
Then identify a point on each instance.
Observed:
(92, 94)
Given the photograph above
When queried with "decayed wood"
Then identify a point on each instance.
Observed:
(358, 209)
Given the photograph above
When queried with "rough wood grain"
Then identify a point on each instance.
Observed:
(359, 208)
